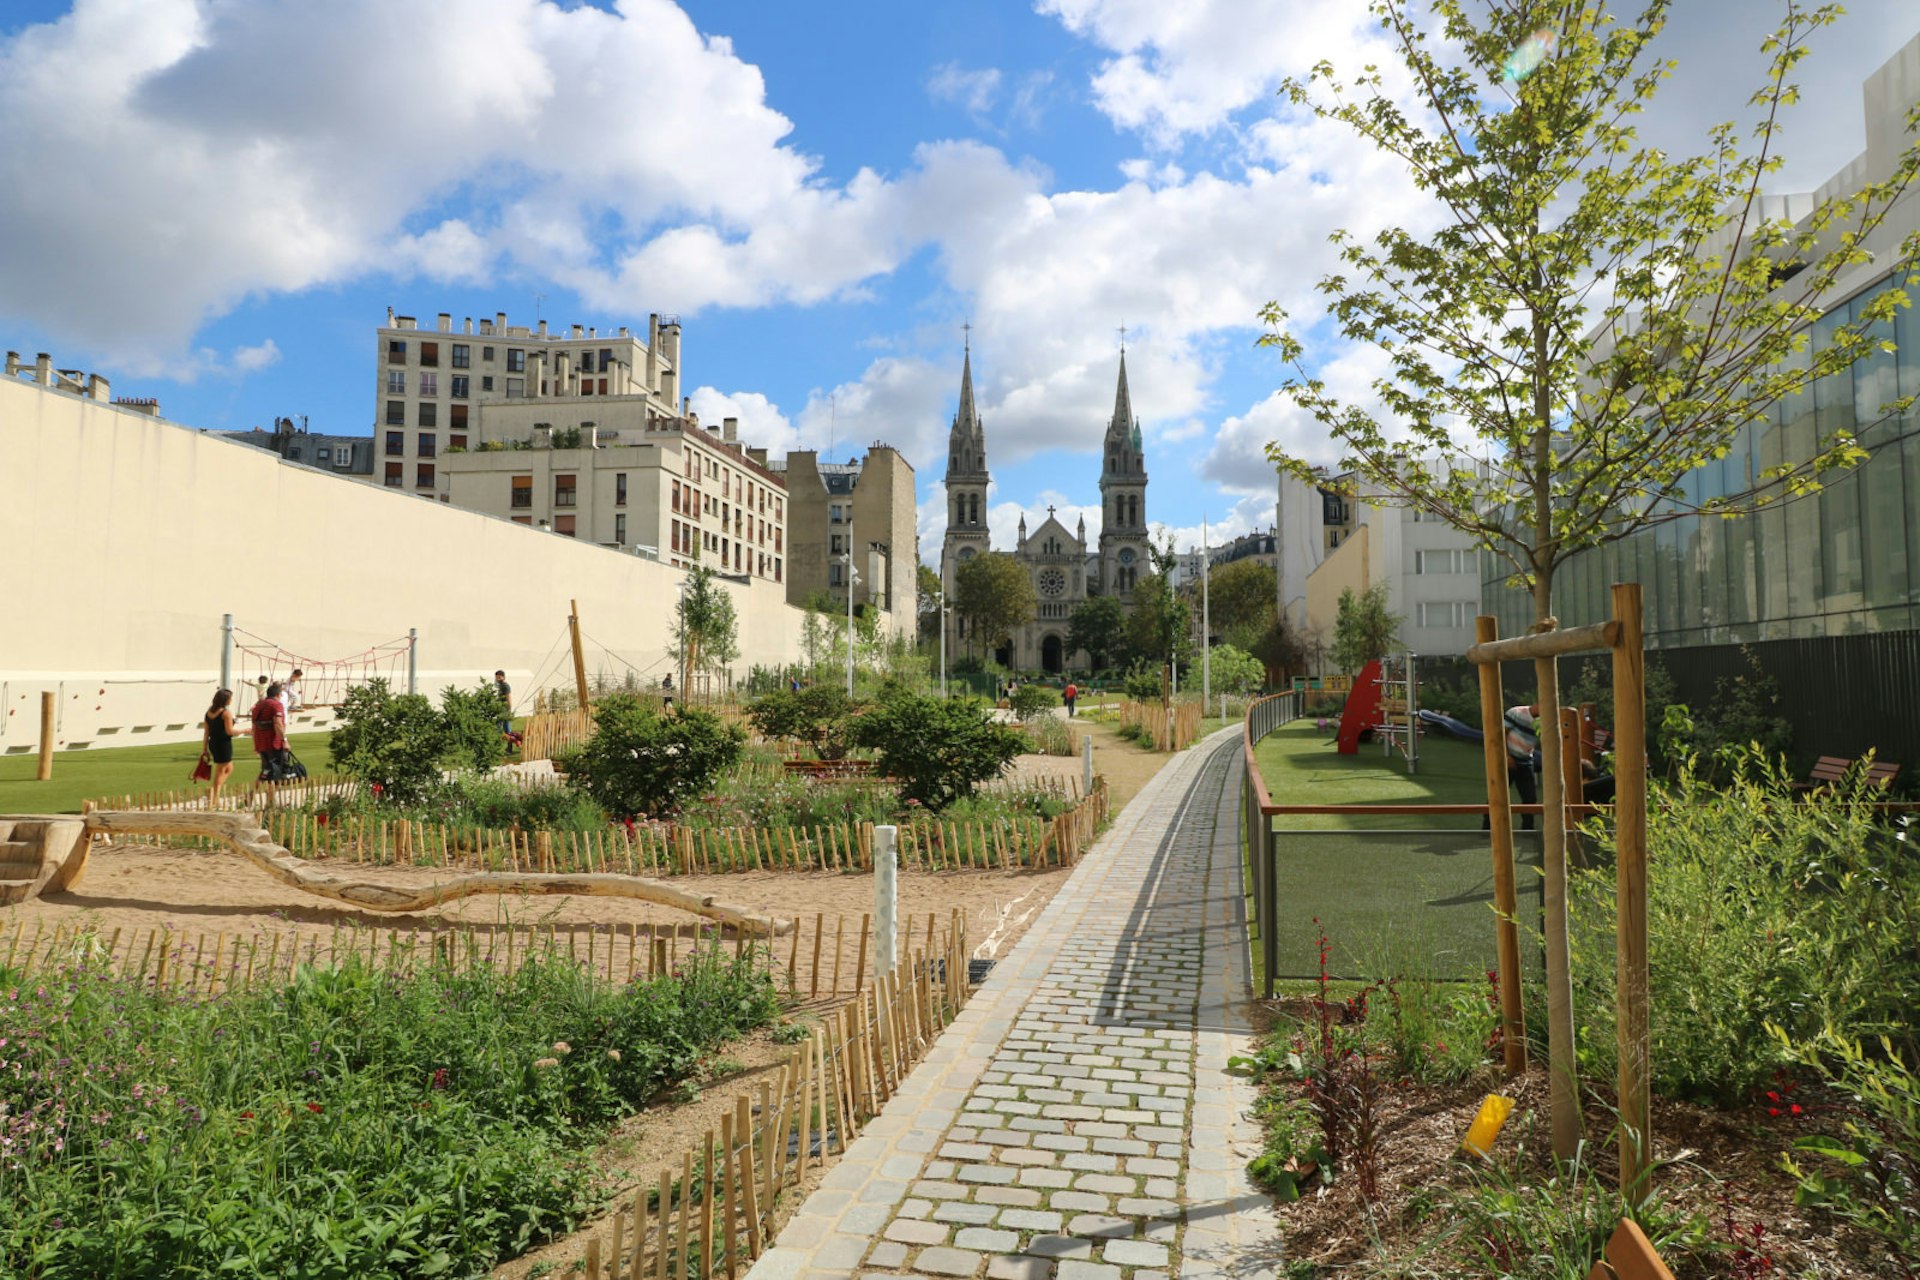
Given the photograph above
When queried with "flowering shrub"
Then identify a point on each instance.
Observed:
(357, 1123)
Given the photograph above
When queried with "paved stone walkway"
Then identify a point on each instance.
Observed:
(1076, 1121)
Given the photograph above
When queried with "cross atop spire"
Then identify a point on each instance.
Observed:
(966, 340)
(1123, 340)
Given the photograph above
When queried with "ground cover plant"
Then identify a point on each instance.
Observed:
(358, 1122)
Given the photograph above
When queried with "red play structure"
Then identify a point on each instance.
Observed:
(1363, 708)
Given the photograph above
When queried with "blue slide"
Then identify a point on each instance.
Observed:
(1451, 727)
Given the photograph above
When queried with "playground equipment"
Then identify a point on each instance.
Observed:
(42, 852)
(1385, 702)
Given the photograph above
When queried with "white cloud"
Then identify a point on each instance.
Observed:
(973, 91)
(762, 425)
(247, 360)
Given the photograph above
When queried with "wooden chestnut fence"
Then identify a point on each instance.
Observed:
(1167, 729)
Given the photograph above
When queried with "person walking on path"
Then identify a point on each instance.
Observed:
(269, 717)
(504, 692)
(217, 732)
(290, 694)
(1072, 692)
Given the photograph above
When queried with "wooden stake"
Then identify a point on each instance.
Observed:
(661, 1250)
(860, 965)
(1513, 1029)
(743, 1126)
(731, 1209)
(1630, 893)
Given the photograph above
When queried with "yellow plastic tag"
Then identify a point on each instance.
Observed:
(1485, 1129)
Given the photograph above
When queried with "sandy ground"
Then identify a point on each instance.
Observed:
(208, 900)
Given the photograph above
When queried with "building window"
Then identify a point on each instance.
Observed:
(429, 355)
(1451, 561)
(396, 444)
(1333, 538)
(429, 414)
(522, 492)
(396, 382)
(394, 476)
(486, 382)
(1447, 613)
(427, 444)
(456, 441)
(676, 495)
(564, 491)
(833, 574)
(836, 545)
(396, 351)
(429, 384)
(516, 360)
(324, 455)
(486, 355)
(460, 386)
(606, 359)
(563, 525)
(396, 413)
(620, 491)
(523, 519)
(457, 418)
(620, 529)
(462, 356)
(516, 388)
(776, 569)
(423, 476)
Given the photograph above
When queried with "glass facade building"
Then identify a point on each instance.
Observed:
(1842, 561)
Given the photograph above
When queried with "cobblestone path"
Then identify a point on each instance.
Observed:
(1076, 1122)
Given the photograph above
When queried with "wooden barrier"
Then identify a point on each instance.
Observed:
(1173, 730)
(546, 733)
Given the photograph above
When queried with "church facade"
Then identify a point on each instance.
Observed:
(1066, 571)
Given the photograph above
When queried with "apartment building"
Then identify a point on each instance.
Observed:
(351, 456)
(1431, 571)
(431, 384)
(865, 508)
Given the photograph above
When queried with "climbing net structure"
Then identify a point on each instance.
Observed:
(323, 681)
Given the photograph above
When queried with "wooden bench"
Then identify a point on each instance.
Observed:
(1830, 770)
(1629, 1256)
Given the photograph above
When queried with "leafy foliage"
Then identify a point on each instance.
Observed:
(1364, 628)
(639, 761)
(1031, 701)
(1241, 595)
(705, 627)
(939, 749)
(1233, 671)
(820, 715)
(996, 597)
(1098, 625)
(471, 718)
(399, 742)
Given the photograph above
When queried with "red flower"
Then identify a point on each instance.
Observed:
(378, 789)
(315, 1107)
(439, 1078)
(320, 819)
(246, 1115)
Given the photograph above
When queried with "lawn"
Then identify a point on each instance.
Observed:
(115, 771)
(1392, 892)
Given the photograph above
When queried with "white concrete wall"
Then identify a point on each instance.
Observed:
(127, 537)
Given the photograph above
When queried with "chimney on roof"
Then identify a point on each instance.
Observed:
(543, 328)
(730, 430)
(469, 327)
(13, 364)
(389, 317)
(500, 321)
(446, 322)
(97, 388)
(43, 369)
(579, 332)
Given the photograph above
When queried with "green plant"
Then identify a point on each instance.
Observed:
(470, 721)
(705, 627)
(1291, 1145)
(392, 741)
(1231, 670)
(1048, 736)
(639, 761)
(1364, 628)
(1031, 701)
(1438, 1031)
(1868, 1172)
(1142, 683)
(940, 750)
(820, 715)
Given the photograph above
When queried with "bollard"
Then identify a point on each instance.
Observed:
(886, 898)
(1086, 766)
(45, 771)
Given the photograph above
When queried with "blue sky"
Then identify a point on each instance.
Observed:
(215, 201)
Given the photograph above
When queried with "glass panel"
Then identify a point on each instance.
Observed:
(1802, 542)
(1875, 376)
(1883, 521)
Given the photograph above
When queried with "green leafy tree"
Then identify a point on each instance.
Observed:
(1160, 628)
(1596, 316)
(1099, 626)
(641, 761)
(1240, 597)
(996, 597)
(939, 749)
(470, 719)
(706, 630)
(1278, 647)
(819, 715)
(1031, 701)
(1364, 628)
(930, 596)
(393, 741)
(1235, 670)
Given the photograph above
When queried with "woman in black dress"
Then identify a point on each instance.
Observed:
(216, 739)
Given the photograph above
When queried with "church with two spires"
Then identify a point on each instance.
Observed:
(1064, 569)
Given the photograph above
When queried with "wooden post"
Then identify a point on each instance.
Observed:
(579, 656)
(1630, 842)
(1570, 779)
(45, 771)
(1513, 1028)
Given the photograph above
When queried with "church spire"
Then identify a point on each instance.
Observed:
(1122, 427)
(966, 440)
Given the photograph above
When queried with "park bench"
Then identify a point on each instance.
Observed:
(1830, 770)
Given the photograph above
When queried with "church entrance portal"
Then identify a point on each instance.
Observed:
(1050, 656)
(1004, 655)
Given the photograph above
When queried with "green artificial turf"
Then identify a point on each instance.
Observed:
(117, 771)
(1394, 893)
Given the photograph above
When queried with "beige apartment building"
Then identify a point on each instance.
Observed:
(863, 508)
(431, 384)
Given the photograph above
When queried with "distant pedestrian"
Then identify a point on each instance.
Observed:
(290, 693)
(503, 694)
(217, 732)
(1072, 692)
(269, 716)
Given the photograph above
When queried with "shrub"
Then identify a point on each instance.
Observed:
(1030, 701)
(940, 750)
(639, 761)
(471, 721)
(1762, 910)
(1232, 670)
(819, 715)
(1049, 736)
(1142, 684)
(391, 740)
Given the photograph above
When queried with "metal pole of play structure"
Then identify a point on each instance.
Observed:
(413, 660)
(226, 651)
(886, 895)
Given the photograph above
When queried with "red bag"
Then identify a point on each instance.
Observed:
(203, 772)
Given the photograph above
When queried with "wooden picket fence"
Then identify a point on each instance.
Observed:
(722, 1207)
(823, 960)
(546, 733)
(1173, 730)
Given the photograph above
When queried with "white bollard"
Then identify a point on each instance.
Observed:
(886, 899)
(1086, 766)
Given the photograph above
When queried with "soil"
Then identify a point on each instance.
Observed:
(1712, 1163)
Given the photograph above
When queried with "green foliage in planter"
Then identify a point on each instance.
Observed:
(940, 750)
(1030, 701)
(819, 715)
(639, 761)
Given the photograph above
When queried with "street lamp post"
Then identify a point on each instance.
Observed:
(943, 645)
(1206, 620)
(849, 603)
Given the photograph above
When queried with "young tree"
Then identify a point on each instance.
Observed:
(1099, 626)
(996, 597)
(1593, 315)
(1160, 626)
(929, 596)
(1240, 597)
(705, 627)
(1363, 628)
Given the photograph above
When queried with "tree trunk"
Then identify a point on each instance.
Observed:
(1564, 1081)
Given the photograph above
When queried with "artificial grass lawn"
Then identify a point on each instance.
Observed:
(1394, 894)
(116, 771)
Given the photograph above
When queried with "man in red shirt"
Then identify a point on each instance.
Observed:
(1072, 692)
(269, 716)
